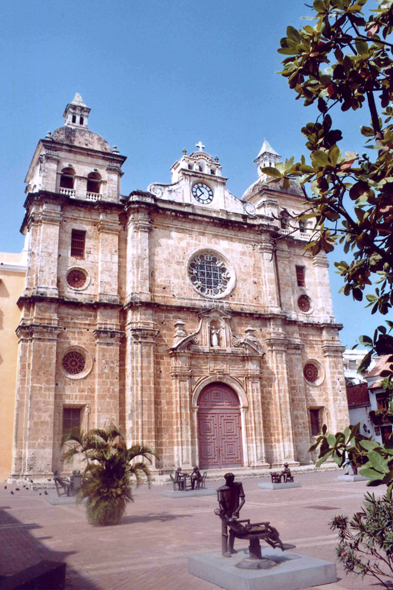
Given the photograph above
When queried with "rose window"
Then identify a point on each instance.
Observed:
(209, 274)
(304, 303)
(310, 372)
(76, 278)
(74, 362)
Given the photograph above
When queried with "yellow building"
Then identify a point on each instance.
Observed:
(12, 280)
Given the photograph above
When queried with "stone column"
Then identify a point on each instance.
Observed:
(107, 376)
(50, 218)
(321, 277)
(338, 415)
(269, 273)
(182, 422)
(108, 266)
(300, 411)
(256, 443)
(35, 408)
(140, 403)
(284, 449)
(138, 255)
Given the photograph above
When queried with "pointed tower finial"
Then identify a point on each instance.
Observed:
(76, 113)
(267, 157)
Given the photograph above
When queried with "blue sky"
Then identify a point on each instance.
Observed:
(159, 75)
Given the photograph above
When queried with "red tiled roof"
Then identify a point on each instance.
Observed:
(357, 395)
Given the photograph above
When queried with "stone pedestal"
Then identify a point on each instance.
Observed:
(189, 494)
(268, 485)
(351, 478)
(290, 571)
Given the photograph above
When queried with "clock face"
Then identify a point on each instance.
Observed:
(202, 193)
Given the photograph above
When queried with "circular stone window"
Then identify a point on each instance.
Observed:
(313, 372)
(210, 274)
(76, 363)
(304, 303)
(77, 278)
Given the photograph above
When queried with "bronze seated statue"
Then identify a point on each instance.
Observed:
(253, 533)
(284, 477)
(231, 499)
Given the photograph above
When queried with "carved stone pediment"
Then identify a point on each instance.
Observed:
(214, 335)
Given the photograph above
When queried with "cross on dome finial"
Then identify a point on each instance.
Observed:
(200, 146)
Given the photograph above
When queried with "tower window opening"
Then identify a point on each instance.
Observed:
(302, 226)
(93, 183)
(73, 118)
(78, 240)
(213, 170)
(81, 120)
(300, 276)
(67, 178)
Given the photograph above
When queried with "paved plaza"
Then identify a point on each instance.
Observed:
(149, 549)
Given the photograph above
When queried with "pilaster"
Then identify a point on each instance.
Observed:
(338, 415)
(35, 395)
(108, 266)
(107, 376)
(138, 255)
(50, 218)
(269, 274)
(140, 398)
(321, 277)
(284, 449)
(184, 454)
(256, 430)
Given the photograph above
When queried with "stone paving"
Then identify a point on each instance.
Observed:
(149, 549)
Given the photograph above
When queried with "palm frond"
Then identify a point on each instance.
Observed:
(142, 451)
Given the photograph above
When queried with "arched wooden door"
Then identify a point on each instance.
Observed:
(219, 428)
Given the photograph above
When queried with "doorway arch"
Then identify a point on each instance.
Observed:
(219, 428)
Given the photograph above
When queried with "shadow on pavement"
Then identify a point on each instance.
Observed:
(20, 549)
(161, 517)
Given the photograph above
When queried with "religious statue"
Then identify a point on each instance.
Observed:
(214, 336)
(231, 499)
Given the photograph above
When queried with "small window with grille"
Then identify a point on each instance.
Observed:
(300, 276)
(78, 239)
(314, 421)
(71, 418)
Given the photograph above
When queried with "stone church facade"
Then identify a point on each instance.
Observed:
(190, 317)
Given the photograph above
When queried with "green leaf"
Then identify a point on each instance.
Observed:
(272, 172)
(369, 445)
(378, 462)
(370, 473)
(323, 459)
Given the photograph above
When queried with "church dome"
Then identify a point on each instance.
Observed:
(81, 137)
(75, 130)
(269, 157)
(276, 186)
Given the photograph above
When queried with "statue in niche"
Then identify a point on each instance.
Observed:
(215, 330)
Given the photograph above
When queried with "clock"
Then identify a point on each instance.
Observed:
(202, 193)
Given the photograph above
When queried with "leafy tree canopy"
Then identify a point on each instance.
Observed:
(343, 60)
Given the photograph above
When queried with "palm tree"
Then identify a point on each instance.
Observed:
(110, 470)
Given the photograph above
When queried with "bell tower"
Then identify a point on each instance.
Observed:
(267, 157)
(76, 113)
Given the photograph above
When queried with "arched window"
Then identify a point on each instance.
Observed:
(67, 178)
(93, 182)
(81, 120)
(73, 118)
